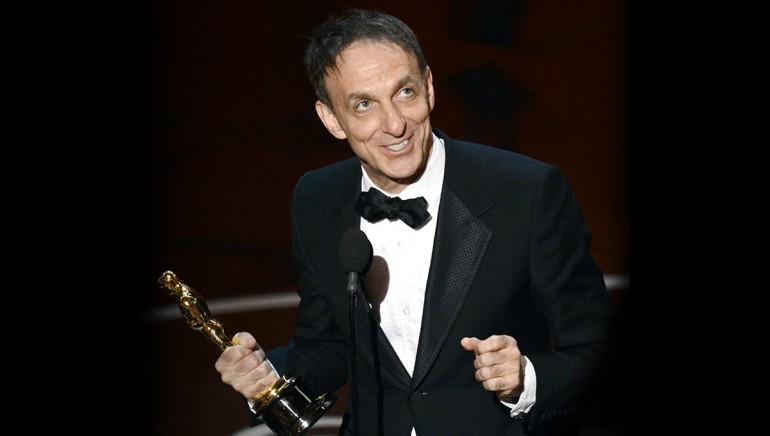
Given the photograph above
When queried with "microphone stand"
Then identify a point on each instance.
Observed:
(353, 288)
(355, 257)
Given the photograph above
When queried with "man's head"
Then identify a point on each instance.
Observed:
(336, 34)
(374, 89)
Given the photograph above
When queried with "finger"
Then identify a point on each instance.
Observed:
(494, 384)
(231, 356)
(502, 386)
(505, 370)
(261, 371)
(492, 358)
(261, 378)
(495, 343)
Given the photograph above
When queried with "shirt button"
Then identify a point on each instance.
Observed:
(406, 311)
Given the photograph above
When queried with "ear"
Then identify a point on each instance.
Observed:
(330, 120)
(429, 87)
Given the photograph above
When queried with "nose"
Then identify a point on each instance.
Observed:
(393, 121)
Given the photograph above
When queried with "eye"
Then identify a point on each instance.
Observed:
(363, 105)
(407, 91)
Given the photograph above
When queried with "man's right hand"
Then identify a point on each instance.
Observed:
(244, 367)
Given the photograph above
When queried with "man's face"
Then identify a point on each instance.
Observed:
(381, 105)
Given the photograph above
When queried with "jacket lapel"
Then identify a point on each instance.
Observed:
(459, 246)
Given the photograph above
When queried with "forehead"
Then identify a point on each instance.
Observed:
(365, 63)
(371, 49)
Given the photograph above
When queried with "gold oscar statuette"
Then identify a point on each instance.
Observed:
(284, 407)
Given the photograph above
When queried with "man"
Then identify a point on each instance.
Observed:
(491, 317)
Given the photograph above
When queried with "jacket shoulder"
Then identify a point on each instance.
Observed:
(494, 163)
(329, 176)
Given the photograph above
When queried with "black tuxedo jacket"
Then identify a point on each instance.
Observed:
(511, 256)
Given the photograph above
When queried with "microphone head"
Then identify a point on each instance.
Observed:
(355, 251)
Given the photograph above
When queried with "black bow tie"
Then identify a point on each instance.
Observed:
(374, 206)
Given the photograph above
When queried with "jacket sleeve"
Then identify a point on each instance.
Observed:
(318, 353)
(568, 288)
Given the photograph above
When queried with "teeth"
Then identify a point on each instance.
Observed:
(399, 146)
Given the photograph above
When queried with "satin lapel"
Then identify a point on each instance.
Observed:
(460, 244)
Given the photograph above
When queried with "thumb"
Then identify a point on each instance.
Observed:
(245, 339)
(469, 343)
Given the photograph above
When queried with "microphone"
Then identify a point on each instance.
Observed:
(355, 255)
(356, 258)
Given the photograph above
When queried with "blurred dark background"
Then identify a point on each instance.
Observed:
(231, 127)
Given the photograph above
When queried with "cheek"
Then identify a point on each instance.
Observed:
(419, 112)
(358, 148)
(361, 132)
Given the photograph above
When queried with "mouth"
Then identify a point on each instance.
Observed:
(398, 147)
